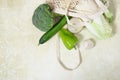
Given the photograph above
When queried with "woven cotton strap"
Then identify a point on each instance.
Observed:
(62, 62)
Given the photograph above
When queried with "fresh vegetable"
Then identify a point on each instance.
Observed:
(43, 18)
(77, 25)
(88, 44)
(107, 12)
(68, 38)
(104, 5)
(109, 16)
(100, 27)
(57, 27)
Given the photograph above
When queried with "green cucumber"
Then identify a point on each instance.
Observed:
(50, 33)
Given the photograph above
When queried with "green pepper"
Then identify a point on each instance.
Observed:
(68, 38)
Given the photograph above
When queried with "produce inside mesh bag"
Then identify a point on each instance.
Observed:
(94, 14)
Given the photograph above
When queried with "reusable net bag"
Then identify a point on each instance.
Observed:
(86, 10)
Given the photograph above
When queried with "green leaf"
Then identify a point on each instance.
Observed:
(109, 16)
(100, 28)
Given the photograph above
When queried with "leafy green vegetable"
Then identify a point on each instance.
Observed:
(100, 28)
(68, 38)
(109, 16)
(43, 18)
(103, 1)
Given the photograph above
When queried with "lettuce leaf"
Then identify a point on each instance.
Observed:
(100, 28)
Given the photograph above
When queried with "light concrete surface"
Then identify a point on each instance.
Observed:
(22, 59)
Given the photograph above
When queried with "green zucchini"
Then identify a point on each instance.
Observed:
(50, 33)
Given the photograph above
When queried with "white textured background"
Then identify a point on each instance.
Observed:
(22, 59)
